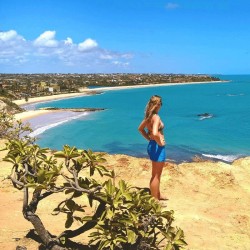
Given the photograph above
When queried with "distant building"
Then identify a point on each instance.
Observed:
(82, 89)
(56, 87)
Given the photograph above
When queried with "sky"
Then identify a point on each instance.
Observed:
(125, 36)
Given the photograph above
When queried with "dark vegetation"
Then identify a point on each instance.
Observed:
(31, 85)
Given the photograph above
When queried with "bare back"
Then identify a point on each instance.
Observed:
(154, 120)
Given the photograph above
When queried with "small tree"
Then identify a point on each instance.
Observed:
(125, 217)
(11, 128)
(26, 98)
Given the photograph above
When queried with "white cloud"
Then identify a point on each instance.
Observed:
(87, 45)
(106, 56)
(46, 52)
(10, 35)
(119, 63)
(68, 41)
(47, 39)
(172, 6)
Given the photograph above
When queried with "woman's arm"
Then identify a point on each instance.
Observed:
(142, 130)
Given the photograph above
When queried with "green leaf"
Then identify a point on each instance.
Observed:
(128, 196)
(109, 187)
(180, 242)
(60, 154)
(134, 217)
(132, 237)
(178, 235)
(31, 185)
(62, 240)
(122, 186)
(127, 222)
(169, 246)
(41, 176)
(103, 244)
(120, 239)
(87, 218)
(93, 234)
(109, 214)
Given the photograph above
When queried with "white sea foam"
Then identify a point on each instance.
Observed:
(206, 117)
(227, 158)
(52, 125)
(235, 94)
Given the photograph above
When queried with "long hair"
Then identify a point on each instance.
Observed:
(152, 105)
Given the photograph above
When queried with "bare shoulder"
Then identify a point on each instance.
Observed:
(155, 117)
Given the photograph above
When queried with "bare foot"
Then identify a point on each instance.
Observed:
(163, 198)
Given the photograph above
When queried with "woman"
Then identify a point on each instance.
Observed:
(151, 129)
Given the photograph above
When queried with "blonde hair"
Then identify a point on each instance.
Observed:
(152, 105)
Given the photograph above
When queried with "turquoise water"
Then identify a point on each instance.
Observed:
(224, 134)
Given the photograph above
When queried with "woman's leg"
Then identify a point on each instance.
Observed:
(156, 178)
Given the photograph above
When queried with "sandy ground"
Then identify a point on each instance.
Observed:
(23, 116)
(47, 98)
(210, 200)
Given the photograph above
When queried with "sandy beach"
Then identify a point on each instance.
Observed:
(30, 114)
(23, 116)
(48, 98)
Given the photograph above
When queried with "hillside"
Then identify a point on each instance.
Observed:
(9, 106)
(210, 200)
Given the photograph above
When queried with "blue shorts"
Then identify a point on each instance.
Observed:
(156, 153)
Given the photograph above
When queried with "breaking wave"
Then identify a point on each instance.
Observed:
(205, 116)
(227, 158)
(235, 94)
(41, 130)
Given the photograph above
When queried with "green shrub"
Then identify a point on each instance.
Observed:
(125, 217)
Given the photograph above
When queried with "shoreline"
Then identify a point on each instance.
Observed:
(28, 114)
(88, 91)
(33, 113)
(38, 99)
(41, 113)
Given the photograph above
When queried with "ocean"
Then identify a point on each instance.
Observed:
(210, 120)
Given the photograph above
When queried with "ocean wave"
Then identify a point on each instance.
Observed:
(52, 125)
(227, 158)
(205, 116)
(235, 94)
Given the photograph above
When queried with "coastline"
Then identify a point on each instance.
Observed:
(33, 113)
(28, 114)
(31, 100)
(88, 91)
(49, 117)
